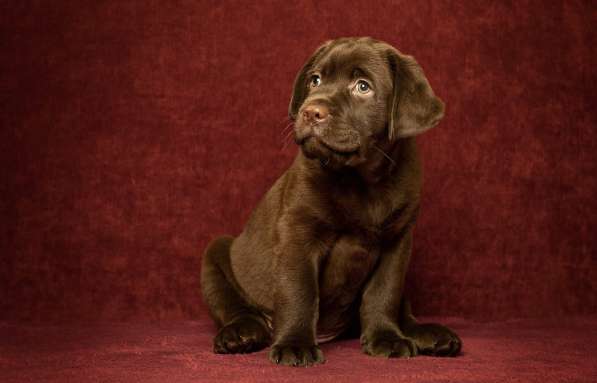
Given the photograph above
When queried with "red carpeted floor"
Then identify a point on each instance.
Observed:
(134, 132)
(512, 351)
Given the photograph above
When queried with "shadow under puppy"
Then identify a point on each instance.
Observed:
(329, 245)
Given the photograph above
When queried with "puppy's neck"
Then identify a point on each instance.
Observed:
(382, 162)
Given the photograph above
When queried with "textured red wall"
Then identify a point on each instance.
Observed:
(134, 132)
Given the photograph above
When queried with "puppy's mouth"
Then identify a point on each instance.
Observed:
(341, 150)
(312, 142)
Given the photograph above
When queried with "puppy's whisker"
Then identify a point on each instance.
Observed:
(288, 135)
(287, 140)
(285, 145)
(290, 125)
(284, 120)
(384, 154)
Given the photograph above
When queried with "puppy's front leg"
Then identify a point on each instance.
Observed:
(296, 298)
(380, 305)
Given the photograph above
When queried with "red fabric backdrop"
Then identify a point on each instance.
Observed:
(134, 132)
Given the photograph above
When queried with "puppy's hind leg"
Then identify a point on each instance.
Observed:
(430, 338)
(241, 329)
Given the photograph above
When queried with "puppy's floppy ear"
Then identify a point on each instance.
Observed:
(414, 107)
(301, 86)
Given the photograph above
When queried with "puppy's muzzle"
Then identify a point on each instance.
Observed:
(314, 125)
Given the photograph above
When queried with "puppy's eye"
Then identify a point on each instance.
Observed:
(363, 87)
(315, 81)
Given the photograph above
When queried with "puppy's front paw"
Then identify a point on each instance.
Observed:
(434, 339)
(388, 344)
(244, 335)
(300, 356)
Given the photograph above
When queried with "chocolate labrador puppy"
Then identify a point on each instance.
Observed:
(329, 244)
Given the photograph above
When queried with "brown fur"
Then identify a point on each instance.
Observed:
(329, 244)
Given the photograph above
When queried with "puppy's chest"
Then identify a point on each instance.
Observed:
(342, 276)
(362, 226)
(345, 268)
(368, 216)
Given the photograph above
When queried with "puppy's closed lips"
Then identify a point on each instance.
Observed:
(342, 145)
(343, 150)
(316, 146)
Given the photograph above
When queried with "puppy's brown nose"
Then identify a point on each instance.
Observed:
(315, 113)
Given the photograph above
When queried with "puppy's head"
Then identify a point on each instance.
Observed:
(356, 95)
